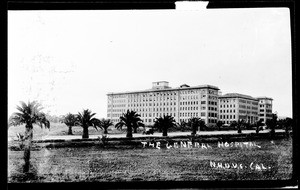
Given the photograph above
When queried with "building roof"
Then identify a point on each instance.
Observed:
(237, 95)
(160, 81)
(168, 89)
(264, 97)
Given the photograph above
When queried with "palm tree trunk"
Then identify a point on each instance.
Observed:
(135, 130)
(239, 129)
(129, 132)
(105, 131)
(70, 131)
(194, 128)
(27, 147)
(272, 133)
(85, 134)
(257, 129)
(165, 133)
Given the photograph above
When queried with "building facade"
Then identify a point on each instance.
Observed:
(265, 108)
(234, 107)
(182, 103)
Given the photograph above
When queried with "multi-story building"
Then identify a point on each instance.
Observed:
(265, 108)
(234, 107)
(182, 103)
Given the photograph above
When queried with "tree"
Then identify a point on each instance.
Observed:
(258, 125)
(136, 125)
(288, 122)
(131, 120)
(105, 123)
(248, 125)
(164, 123)
(233, 124)
(285, 123)
(271, 123)
(29, 114)
(240, 124)
(182, 125)
(219, 125)
(70, 120)
(85, 120)
(194, 123)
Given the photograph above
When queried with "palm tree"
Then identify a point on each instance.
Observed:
(182, 125)
(137, 124)
(240, 123)
(194, 123)
(271, 123)
(85, 120)
(105, 123)
(70, 120)
(29, 114)
(258, 124)
(288, 123)
(219, 125)
(233, 124)
(164, 123)
(131, 120)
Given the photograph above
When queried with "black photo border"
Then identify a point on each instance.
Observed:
(19, 5)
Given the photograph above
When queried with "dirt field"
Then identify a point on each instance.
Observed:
(130, 163)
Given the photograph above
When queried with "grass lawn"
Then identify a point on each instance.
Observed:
(270, 162)
(57, 129)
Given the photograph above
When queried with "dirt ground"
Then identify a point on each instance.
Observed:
(273, 160)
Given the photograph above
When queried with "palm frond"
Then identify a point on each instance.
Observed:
(29, 114)
(119, 125)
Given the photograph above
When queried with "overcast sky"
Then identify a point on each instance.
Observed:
(70, 60)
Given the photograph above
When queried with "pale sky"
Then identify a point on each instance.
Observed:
(69, 60)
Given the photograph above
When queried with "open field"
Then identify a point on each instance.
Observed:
(56, 129)
(270, 161)
(60, 130)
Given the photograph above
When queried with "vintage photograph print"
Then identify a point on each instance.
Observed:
(150, 95)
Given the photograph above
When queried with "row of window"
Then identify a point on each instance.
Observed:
(227, 116)
(195, 97)
(227, 111)
(248, 107)
(154, 99)
(188, 114)
(182, 103)
(226, 100)
(188, 108)
(117, 105)
(116, 110)
(189, 103)
(139, 97)
(170, 93)
(165, 109)
(212, 103)
(154, 104)
(194, 91)
(151, 94)
(145, 115)
(227, 106)
(212, 114)
(212, 108)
